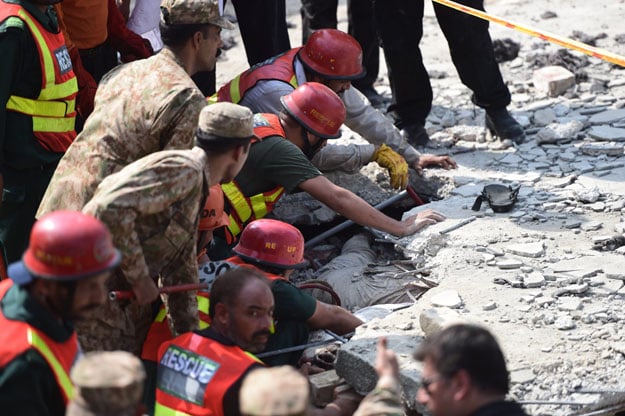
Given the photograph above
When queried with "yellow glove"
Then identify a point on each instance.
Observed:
(395, 163)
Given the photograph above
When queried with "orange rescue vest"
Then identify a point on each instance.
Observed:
(16, 337)
(243, 208)
(278, 68)
(194, 374)
(160, 333)
(54, 111)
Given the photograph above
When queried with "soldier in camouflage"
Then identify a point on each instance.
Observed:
(142, 107)
(152, 208)
(107, 383)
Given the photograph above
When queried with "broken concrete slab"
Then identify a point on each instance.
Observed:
(535, 249)
(607, 117)
(447, 298)
(607, 133)
(434, 319)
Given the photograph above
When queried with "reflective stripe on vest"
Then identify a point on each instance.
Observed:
(244, 209)
(17, 337)
(277, 68)
(53, 112)
(159, 331)
(195, 372)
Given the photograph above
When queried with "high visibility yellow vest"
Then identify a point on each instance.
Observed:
(54, 111)
(244, 209)
(16, 337)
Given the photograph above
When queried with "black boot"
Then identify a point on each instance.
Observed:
(415, 134)
(501, 124)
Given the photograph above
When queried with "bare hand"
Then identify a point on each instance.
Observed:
(428, 159)
(145, 291)
(421, 220)
(386, 362)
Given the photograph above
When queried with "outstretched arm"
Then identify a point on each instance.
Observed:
(358, 210)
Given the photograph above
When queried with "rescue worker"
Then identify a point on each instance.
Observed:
(37, 113)
(142, 107)
(333, 58)
(152, 208)
(60, 279)
(312, 114)
(107, 383)
(275, 249)
(241, 309)
(212, 217)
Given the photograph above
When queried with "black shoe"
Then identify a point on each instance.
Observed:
(374, 97)
(415, 134)
(501, 124)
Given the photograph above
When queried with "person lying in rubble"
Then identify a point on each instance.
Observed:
(279, 163)
(332, 58)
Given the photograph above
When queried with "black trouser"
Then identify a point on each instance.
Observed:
(23, 190)
(263, 28)
(399, 25)
(320, 14)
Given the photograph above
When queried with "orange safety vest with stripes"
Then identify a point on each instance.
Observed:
(277, 68)
(160, 333)
(194, 374)
(54, 111)
(17, 337)
(243, 208)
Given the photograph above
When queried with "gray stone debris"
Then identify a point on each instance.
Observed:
(607, 133)
(448, 298)
(536, 249)
(607, 117)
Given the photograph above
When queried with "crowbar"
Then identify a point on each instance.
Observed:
(348, 223)
(129, 294)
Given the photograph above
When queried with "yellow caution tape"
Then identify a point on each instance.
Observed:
(550, 37)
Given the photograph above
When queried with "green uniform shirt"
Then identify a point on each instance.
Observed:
(20, 74)
(27, 384)
(274, 161)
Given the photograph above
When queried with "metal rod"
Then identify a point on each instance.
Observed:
(293, 349)
(348, 223)
(458, 225)
(129, 294)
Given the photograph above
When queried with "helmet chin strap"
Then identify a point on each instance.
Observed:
(309, 150)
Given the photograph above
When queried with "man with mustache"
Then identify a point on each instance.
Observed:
(204, 369)
(60, 279)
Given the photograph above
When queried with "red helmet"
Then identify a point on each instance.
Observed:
(69, 245)
(272, 243)
(333, 55)
(213, 215)
(317, 108)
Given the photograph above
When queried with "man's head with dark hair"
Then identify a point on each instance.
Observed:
(191, 29)
(463, 366)
(241, 308)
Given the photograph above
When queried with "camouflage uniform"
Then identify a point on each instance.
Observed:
(152, 209)
(140, 108)
(106, 384)
(381, 401)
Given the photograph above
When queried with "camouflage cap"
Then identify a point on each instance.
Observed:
(191, 12)
(225, 120)
(106, 383)
(275, 391)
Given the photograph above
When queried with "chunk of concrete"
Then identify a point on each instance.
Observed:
(322, 387)
(553, 80)
(447, 298)
(527, 250)
(607, 133)
(434, 319)
(607, 117)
